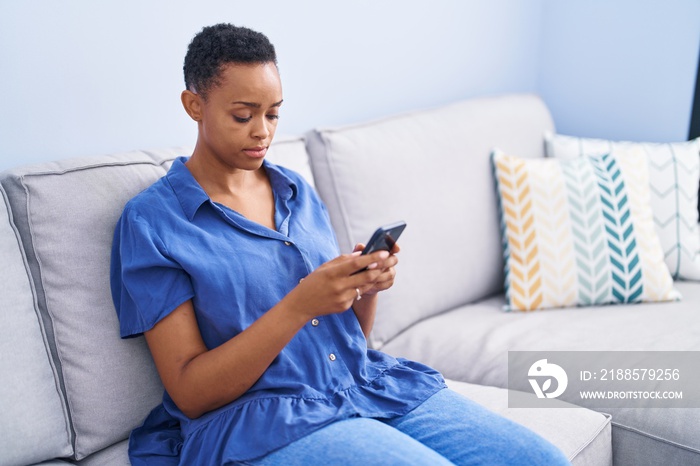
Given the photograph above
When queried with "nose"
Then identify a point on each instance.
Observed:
(260, 128)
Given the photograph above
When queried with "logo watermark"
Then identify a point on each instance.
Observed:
(541, 369)
(604, 379)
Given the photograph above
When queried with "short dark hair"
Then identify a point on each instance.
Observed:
(219, 45)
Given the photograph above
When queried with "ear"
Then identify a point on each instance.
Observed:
(193, 104)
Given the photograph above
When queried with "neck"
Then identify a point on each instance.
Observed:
(217, 178)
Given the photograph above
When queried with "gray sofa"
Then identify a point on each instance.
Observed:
(71, 390)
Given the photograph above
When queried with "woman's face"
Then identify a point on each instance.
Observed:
(239, 116)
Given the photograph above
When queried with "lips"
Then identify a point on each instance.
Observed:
(256, 152)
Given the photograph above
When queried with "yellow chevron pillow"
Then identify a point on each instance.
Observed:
(579, 232)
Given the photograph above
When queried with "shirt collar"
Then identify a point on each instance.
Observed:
(191, 195)
(282, 185)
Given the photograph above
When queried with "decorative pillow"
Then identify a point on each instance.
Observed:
(579, 232)
(674, 171)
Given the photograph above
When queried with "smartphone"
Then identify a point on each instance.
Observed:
(383, 238)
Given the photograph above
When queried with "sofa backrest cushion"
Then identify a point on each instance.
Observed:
(290, 152)
(65, 213)
(33, 421)
(432, 169)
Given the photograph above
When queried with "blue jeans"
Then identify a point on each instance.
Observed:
(447, 429)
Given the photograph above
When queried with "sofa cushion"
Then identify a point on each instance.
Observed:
(53, 463)
(66, 212)
(581, 434)
(579, 232)
(430, 168)
(114, 455)
(653, 436)
(475, 340)
(290, 152)
(584, 436)
(33, 420)
(675, 177)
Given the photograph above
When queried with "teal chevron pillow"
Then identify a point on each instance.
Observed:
(579, 232)
(674, 172)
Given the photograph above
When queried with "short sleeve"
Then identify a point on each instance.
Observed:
(147, 283)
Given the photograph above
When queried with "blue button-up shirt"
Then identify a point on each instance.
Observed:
(173, 243)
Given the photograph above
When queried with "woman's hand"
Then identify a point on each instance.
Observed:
(385, 280)
(333, 287)
(366, 309)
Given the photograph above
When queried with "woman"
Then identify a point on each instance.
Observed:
(229, 267)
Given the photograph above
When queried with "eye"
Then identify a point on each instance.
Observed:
(273, 117)
(242, 120)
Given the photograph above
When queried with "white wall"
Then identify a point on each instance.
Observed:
(620, 69)
(82, 77)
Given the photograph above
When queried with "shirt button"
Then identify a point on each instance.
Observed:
(331, 357)
(314, 322)
(301, 280)
(287, 243)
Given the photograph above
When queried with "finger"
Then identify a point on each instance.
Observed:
(364, 279)
(386, 264)
(395, 249)
(389, 262)
(377, 287)
(379, 256)
(359, 247)
(388, 275)
(359, 262)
